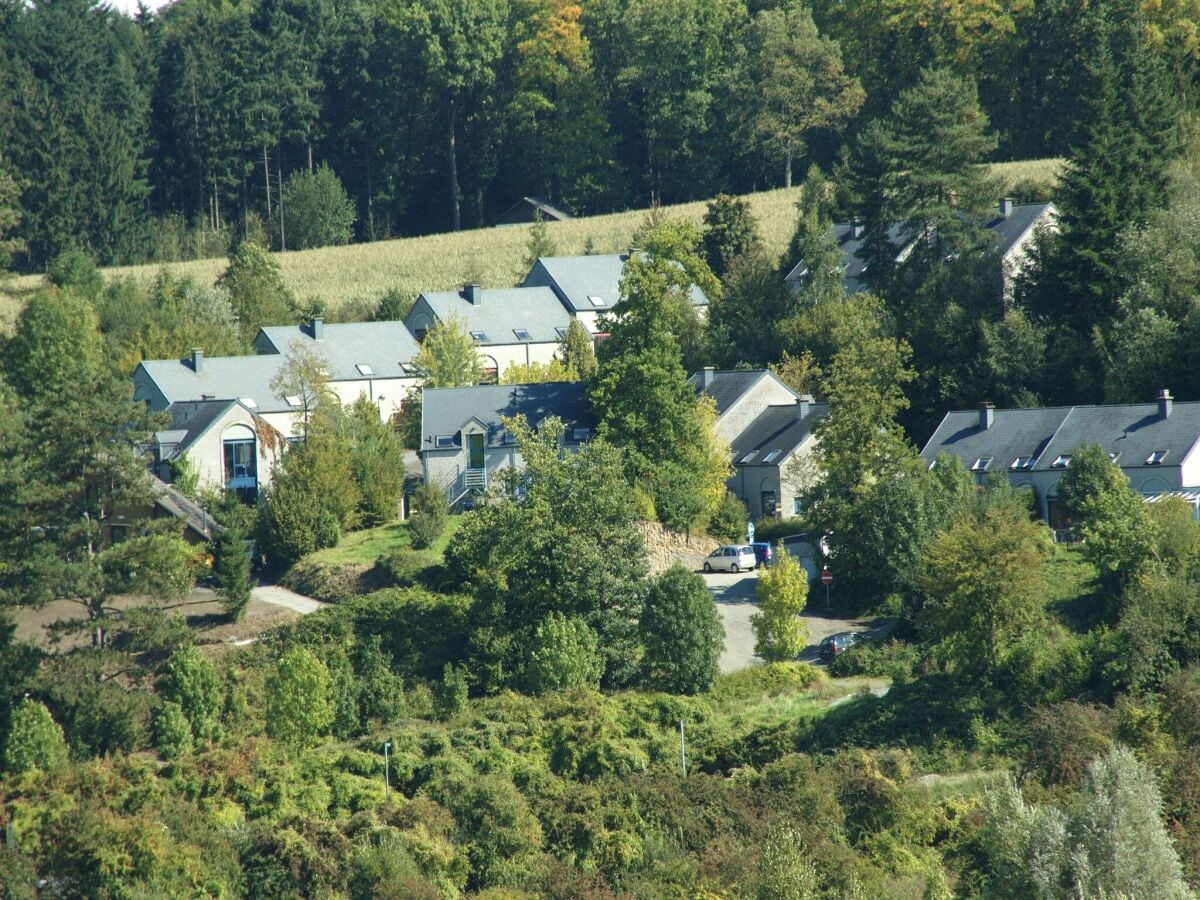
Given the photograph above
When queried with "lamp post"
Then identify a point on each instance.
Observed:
(386, 785)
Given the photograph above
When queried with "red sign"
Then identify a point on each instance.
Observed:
(826, 577)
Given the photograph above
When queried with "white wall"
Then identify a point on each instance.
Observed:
(506, 355)
(767, 391)
(207, 453)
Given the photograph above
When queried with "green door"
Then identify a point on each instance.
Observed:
(474, 451)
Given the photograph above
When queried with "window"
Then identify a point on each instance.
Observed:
(522, 334)
(408, 369)
(480, 336)
(248, 402)
(581, 434)
(239, 462)
(1022, 462)
(561, 332)
(797, 506)
(1061, 462)
(981, 464)
(596, 301)
(749, 457)
(1114, 456)
(293, 400)
(118, 533)
(364, 369)
(1156, 458)
(443, 441)
(772, 456)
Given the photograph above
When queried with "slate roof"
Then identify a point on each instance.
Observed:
(220, 378)
(1134, 431)
(1007, 230)
(776, 428)
(502, 310)
(386, 347)
(728, 386)
(447, 410)
(525, 208)
(189, 420)
(190, 513)
(576, 279)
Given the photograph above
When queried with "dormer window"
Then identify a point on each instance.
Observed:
(1022, 462)
(522, 334)
(364, 369)
(248, 402)
(1113, 457)
(480, 336)
(1156, 458)
(596, 301)
(981, 464)
(1061, 461)
(443, 441)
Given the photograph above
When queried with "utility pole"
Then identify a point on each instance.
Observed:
(387, 788)
(682, 750)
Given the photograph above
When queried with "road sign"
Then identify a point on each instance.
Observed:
(750, 532)
(826, 577)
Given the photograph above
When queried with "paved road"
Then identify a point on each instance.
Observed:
(734, 595)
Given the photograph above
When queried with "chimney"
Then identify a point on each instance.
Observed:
(197, 360)
(803, 403)
(856, 229)
(1006, 207)
(987, 415)
(317, 326)
(1164, 404)
(473, 294)
(706, 377)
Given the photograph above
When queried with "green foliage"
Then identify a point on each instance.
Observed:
(55, 348)
(450, 697)
(376, 461)
(428, 519)
(728, 522)
(540, 243)
(74, 269)
(34, 741)
(299, 698)
(779, 632)
(562, 654)
(172, 732)
(317, 209)
(577, 352)
(784, 870)
(257, 290)
(189, 681)
(449, 356)
(681, 632)
(730, 233)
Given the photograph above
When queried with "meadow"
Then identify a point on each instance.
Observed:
(490, 256)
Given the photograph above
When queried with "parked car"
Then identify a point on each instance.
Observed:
(762, 552)
(837, 644)
(730, 559)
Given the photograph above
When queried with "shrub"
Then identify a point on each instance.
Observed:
(562, 653)
(401, 568)
(779, 633)
(35, 740)
(190, 682)
(682, 632)
(326, 581)
(728, 522)
(882, 659)
(300, 698)
(451, 696)
(428, 519)
(172, 732)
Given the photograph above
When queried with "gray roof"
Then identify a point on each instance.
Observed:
(187, 511)
(1134, 431)
(385, 347)
(445, 410)
(502, 310)
(220, 378)
(189, 420)
(1007, 230)
(577, 279)
(528, 206)
(778, 428)
(729, 385)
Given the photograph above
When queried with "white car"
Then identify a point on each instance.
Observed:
(730, 559)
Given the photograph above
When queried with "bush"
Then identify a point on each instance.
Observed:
(172, 732)
(401, 568)
(882, 659)
(428, 519)
(562, 653)
(300, 698)
(728, 522)
(329, 582)
(35, 741)
(451, 696)
(682, 632)
(75, 269)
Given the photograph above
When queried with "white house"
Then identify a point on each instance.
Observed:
(512, 326)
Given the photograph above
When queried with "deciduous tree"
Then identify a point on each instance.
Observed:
(779, 632)
(299, 698)
(449, 356)
(681, 632)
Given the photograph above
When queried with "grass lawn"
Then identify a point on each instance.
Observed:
(368, 545)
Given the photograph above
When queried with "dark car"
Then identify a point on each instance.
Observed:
(762, 552)
(837, 644)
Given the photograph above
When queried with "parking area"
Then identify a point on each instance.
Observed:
(735, 599)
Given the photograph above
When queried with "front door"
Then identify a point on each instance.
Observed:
(474, 451)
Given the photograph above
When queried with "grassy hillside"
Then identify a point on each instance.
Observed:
(491, 255)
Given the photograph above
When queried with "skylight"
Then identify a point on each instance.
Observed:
(772, 456)
(408, 368)
(248, 401)
(1156, 458)
(1022, 462)
(522, 334)
(480, 336)
(560, 331)
(293, 400)
(981, 464)
(749, 457)
(364, 369)
(1115, 456)
(596, 301)
(1061, 462)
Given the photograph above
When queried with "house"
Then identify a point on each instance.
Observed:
(526, 211)
(1013, 226)
(589, 286)
(1154, 444)
(195, 525)
(769, 428)
(228, 444)
(365, 359)
(464, 443)
(512, 326)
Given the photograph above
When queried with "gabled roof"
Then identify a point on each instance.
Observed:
(190, 419)
(578, 279)
(187, 511)
(385, 347)
(1134, 431)
(444, 411)
(525, 209)
(777, 428)
(1007, 231)
(220, 378)
(728, 386)
(501, 311)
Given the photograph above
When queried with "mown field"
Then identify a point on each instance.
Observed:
(491, 256)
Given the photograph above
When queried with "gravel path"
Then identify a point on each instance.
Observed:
(281, 596)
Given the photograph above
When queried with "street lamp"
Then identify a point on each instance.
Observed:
(386, 786)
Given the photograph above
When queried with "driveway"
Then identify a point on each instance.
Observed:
(735, 599)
